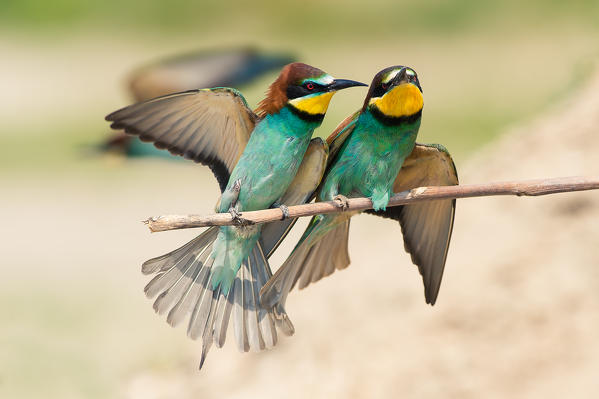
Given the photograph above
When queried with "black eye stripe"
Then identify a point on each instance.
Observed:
(382, 87)
(301, 89)
(379, 91)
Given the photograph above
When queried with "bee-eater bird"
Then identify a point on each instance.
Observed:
(255, 157)
(373, 153)
(218, 67)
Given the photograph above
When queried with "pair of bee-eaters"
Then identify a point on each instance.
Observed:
(267, 159)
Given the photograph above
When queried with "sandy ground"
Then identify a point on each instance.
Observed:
(517, 316)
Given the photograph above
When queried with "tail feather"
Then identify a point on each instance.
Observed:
(187, 302)
(274, 293)
(208, 334)
(314, 264)
(173, 295)
(223, 315)
(202, 310)
(239, 316)
(308, 265)
(167, 261)
(183, 289)
(252, 315)
(265, 320)
(326, 255)
(282, 320)
(162, 282)
(309, 262)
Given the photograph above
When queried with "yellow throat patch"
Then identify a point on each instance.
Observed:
(403, 100)
(313, 105)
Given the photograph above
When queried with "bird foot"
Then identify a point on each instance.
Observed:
(237, 219)
(283, 209)
(341, 201)
(233, 209)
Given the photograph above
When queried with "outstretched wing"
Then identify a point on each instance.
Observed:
(209, 126)
(426, 226)
(300, 191)
(227, 67)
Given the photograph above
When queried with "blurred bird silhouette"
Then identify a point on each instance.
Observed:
(260, 160)
(227, 67)
(373, 153)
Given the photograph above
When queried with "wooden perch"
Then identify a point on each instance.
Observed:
(519, 188)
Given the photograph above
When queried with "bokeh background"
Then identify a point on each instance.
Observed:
(511, 89)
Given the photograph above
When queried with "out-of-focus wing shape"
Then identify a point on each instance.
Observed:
(426, 226)
(300, 191)
(209, 126)
(232, 67)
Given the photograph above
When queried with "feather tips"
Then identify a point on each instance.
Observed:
(309, 262)
(209, 126)
(183, 289)
(427, 226)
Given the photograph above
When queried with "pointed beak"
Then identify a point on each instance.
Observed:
(339, 84)
(401, 77)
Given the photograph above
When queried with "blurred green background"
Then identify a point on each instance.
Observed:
(70, 320)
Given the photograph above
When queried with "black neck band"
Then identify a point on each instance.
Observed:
(394, 120)
(306, 116)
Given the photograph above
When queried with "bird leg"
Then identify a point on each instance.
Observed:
(234, 207)
(342, 201)
(237, 219)
(283, 209)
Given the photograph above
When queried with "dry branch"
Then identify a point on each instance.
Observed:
(519, 188)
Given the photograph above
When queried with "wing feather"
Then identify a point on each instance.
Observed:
(426, 226)
(208, 126)
(300, 191)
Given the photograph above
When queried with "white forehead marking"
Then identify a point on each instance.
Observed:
(391, 75)
(410, 72)
(324, 80)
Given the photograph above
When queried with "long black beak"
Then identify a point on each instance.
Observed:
(339, 84)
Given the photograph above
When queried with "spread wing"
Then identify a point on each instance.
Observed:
(426, 226)
(209, 126)
(231, 67)
(300, 191)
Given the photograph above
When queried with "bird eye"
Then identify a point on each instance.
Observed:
(310, 86)
(384, 86)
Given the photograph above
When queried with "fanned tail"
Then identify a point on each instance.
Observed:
(310, 261)
(183, 289)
